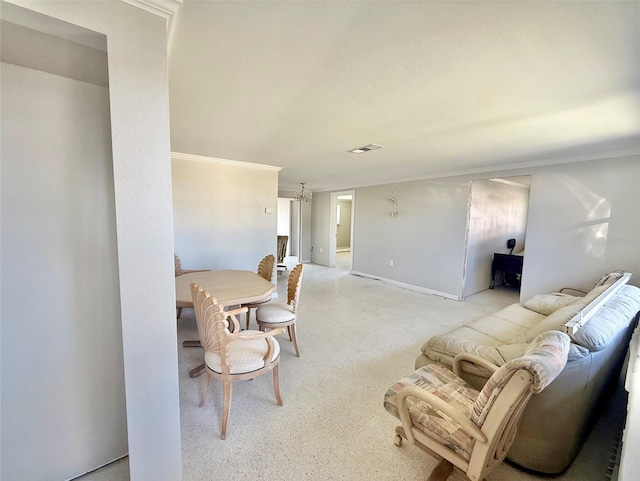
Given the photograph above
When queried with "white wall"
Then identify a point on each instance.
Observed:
(62, 360)
(497, 212)
(219, 212)
(306, 211)
(139, 107)
(583, 222)
(294, 241)
(425, 240)
(320, 218)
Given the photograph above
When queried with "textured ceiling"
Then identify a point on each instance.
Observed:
(446, 87)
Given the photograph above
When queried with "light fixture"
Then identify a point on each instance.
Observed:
(366, 148)
(303, 195)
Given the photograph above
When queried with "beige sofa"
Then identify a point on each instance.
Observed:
(558, 420)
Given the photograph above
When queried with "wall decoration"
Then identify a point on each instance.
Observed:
(394, 200)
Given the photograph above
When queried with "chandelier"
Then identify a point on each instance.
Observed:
(303, 195)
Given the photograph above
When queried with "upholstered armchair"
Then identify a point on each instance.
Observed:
(470, 431)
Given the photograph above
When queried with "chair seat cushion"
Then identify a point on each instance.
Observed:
(444, 384)
(244, 356)
(275, 313)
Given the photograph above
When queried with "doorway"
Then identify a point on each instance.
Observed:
(496, 226)
(341, 231)
(289, 226)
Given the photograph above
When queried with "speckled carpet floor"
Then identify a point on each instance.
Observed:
(356, 336)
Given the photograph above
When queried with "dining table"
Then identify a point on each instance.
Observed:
(230, 287)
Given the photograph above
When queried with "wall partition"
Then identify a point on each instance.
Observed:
(62, 260)
(63, 403)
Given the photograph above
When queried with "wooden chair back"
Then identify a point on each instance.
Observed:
(293, 286)
(213, 327)
(177, 265)
(265, 268)
(282, 247)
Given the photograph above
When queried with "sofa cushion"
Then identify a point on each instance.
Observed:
(519, 316)
(506, 326)
(555, 321)
(445, 348)
(548, 303)
(590, 296)
(483, 336)
(609, 319)
(512, 351)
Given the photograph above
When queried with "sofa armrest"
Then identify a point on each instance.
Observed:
(561, 291)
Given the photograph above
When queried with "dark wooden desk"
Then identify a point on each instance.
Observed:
(505, 263)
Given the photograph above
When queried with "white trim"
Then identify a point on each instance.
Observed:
(411, 287)
(237, 163)
(163, 8)
(98, 467)
(590, 310)
(167, 9)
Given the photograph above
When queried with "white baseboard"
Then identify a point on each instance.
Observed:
(343, 249)
(411, 287)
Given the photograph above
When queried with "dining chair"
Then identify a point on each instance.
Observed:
(265, 270)
(470, 431)
(282, 252)
(179, 271)
(231, 357)
(275, 314)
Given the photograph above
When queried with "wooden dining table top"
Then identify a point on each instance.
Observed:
(229, 287)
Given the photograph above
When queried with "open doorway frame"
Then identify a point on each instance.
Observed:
(333, 226)
(498, 211)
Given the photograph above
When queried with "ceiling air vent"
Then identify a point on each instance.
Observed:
(366, 148)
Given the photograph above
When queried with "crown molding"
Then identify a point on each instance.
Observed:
(214, 160)
(167, 9)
